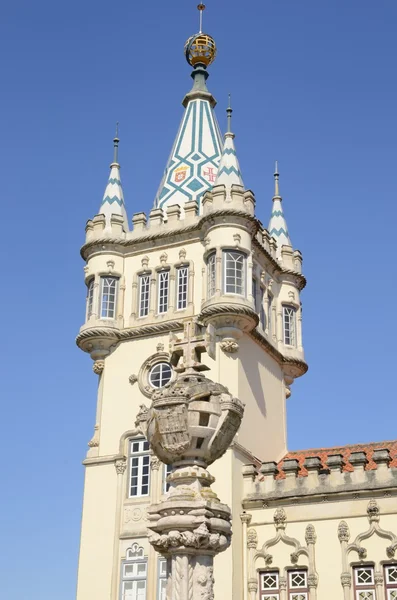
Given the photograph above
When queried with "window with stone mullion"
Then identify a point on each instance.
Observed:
(269, 585)
(297, 585)
(144, 295)
(211, 275)
(289, 325)
(108, 297)
(234, 272)
(182, 283)
(139, 468)
(391, 582)
(163, 291)
(364, 583)
(90, 298)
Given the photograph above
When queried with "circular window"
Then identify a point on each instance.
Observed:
(160, 374)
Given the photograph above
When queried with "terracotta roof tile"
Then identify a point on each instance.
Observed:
(323, 454)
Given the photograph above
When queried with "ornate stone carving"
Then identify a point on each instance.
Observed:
(245, 518)
(283, 583)
(110, 265)
(373, 511)
(280, 518)
(154, 463)
(133, 379)
(312, 580)
(98, 366)
(182, 254)
(378, 578)
(120, 466)
(200, 538)
(237, 239)
(145, 262)
(132, 513)
(229, 345)
(94, 441)
(310, 535)
(160, 347)
(252, 585)
(343, 532)
(252, 538)
(163, 259)
(346, 579)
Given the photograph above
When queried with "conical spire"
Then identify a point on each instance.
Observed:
(113, 198)
(277, 224)
(193, 163)
(229, 169)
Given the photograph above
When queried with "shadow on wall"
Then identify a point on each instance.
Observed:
(254, 362)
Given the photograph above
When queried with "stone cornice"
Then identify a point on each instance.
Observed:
(233, 309)
(300, 365)
(132, 332)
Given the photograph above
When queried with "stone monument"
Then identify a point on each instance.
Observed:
(190, 424)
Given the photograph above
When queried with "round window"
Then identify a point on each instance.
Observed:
(160, 374)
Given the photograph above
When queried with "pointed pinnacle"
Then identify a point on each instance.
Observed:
(276, 179)
(229, 111)
(116, 144)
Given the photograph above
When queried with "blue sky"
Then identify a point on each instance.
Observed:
(313, 85)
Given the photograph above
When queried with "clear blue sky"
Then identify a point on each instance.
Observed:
(314, 86)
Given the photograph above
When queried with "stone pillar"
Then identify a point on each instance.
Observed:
(283, 588)
(120, 466)
(379, 585)
(134, 299)
(172, 291)
(153, 296)
(95, 301)
(120, 302)
(190, 287)
(218, 272)
(345, 578)
(246, 520)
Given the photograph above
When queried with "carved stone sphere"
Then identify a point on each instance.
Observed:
(192, 420)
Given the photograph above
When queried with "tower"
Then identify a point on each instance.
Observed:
(200, 266)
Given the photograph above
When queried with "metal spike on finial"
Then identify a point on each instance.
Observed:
(116, 144)
(229, 111)
(201, 8)
(276, 179)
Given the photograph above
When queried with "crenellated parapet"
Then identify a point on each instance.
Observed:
(293, 480)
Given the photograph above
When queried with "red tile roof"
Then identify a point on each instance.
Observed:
(323, 454)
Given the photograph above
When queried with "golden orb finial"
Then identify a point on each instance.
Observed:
(201, 47)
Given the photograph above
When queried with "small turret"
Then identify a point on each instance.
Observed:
(229, 169)
(113, 198)
(277, 224)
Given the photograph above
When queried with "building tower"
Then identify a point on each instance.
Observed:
(199, 266)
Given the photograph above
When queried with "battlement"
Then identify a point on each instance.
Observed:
(294, 479)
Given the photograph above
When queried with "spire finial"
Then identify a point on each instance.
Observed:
(276, 179)
(201, 9)
(229, 111)
(116, 144)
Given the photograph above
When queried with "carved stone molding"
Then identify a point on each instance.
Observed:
(120, 466)
(378, 578)
(133, 379)
(98, 366)
(343, 532)
(198, 538)
(346, 579)
(245, 518)
(252, 585)
(283, 583)
(154, 463)
(252, 538)
(280, 518)
(94, 441)
(160, 347)
(229, 345)
(310, 534)
(143, 375)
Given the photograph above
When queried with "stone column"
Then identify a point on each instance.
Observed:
(279, 324)
(379, 585)
(345, 578)
(120, 466)
(120, 302)
(246, 520)
(95, 299)
(134, 299)
(252, 542)
(190, 287)
(172, 291)
(299, 329)
(218, 272)
(204, 291)
(153, 295)
(283, 588)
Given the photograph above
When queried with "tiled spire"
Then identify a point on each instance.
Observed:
(277, 224)
(229, 169)
(193, 163)
(113, 198)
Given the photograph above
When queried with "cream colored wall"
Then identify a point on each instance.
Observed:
(97, 533)
(261, 387)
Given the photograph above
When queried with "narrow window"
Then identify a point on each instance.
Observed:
(108, 297)
(139, 468)
(269, 585)
(163, 289)
(262, 316)
(181, 287)
(391, 582)
(364, 583)
(211, 275)
(269, 313)
(133, 575)
(234, 272)
(162, 583)
(166, 471)
(289, 325)
(297, 585)
(90, 298)
(144, 295)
